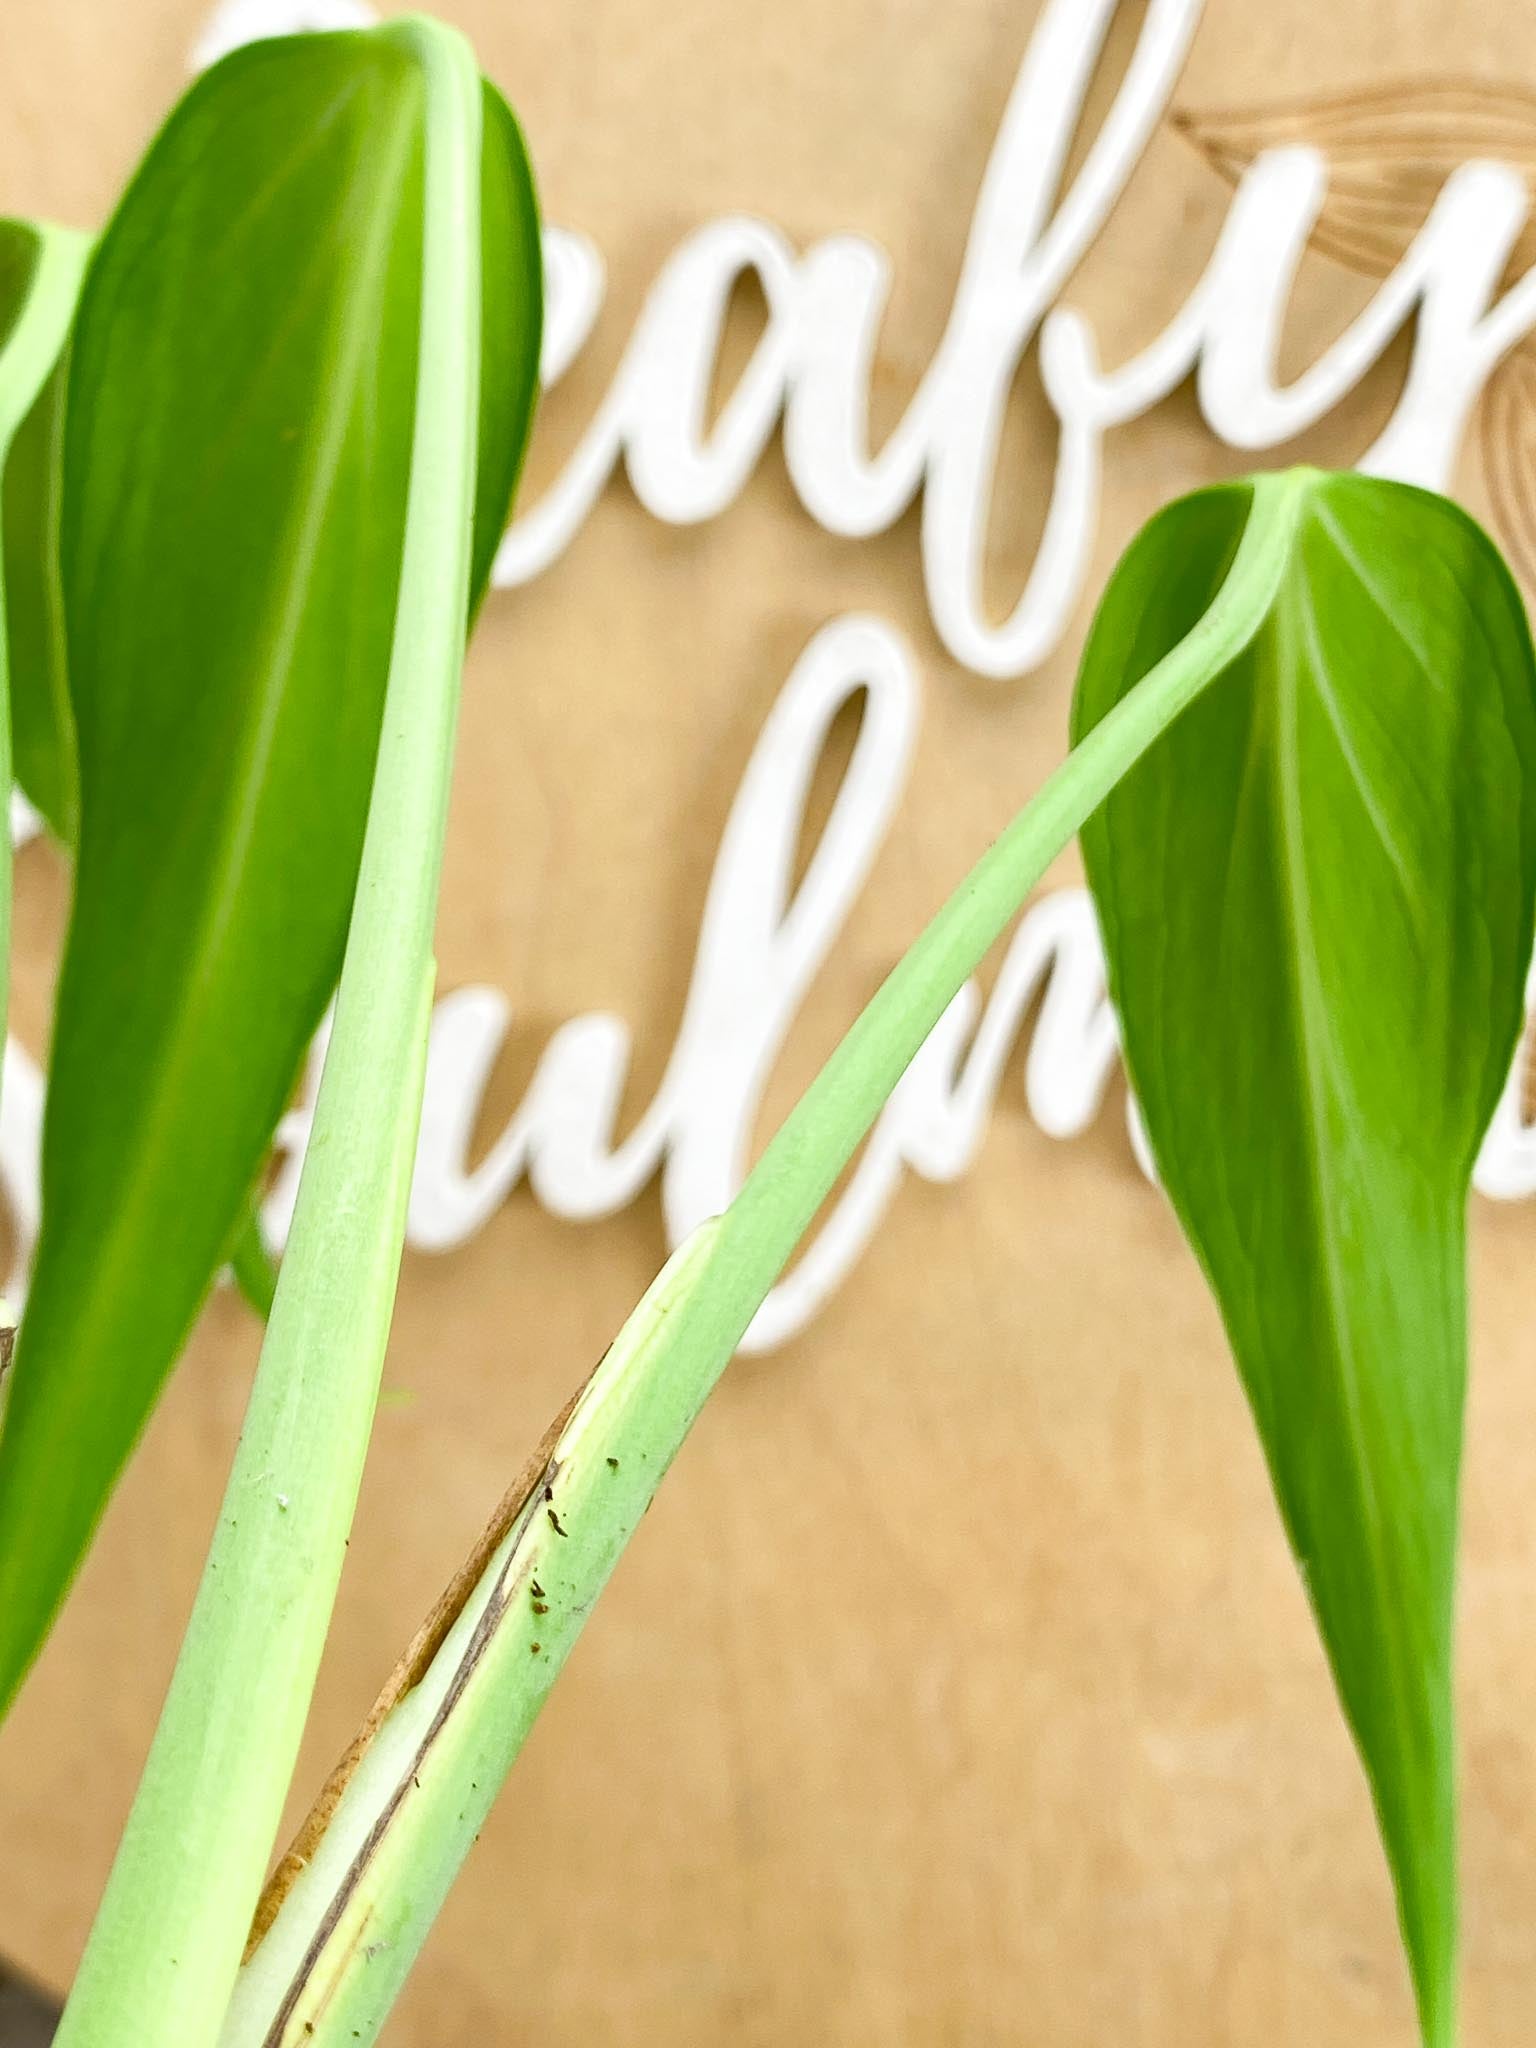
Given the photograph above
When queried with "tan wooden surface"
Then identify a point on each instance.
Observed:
(959, 1689)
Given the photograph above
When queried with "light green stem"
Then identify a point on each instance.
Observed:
(329, 1970)
(168, 1939)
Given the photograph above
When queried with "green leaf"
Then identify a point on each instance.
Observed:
(1318, 894)
(39, 282)
(237, 463)
(251, 1265)
(18, 266)
(511, 326)
(167, 1942)
(42, 722)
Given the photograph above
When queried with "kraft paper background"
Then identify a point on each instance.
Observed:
(958, 1689)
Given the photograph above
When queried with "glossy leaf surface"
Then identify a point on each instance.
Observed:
(236, 468)
(1316, 894)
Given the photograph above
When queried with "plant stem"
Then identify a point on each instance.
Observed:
(329, 1969)
(168, 1938)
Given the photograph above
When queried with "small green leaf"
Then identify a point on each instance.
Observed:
(251, 1264)
(18, 266)
(1318, 893)
(42, 720)
(39, 282)
(511, 324)
(236, 469)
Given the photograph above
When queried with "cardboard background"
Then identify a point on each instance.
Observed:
(959, 1689)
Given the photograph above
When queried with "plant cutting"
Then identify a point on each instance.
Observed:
(273, 448)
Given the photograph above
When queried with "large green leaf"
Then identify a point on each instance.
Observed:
(236, 467)
(42, 719)
(177, 1909)
(1317, 901)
